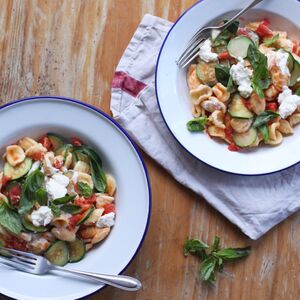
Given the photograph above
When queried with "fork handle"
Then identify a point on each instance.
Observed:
(120, 281)
(252, 4)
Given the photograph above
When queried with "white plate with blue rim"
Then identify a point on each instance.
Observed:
(173, 97)
(34, 117)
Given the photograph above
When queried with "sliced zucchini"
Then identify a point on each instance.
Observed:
(76, 250)
(238, 47)
(206, 72)
(295, 75)
(58, 253)
(30, 227)
(56, 140)
(85, 215)
(245, 139)
(19, 170)
(237, 108)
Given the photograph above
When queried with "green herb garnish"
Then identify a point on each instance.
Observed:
(224, 37)
(84, 189)
(63, 200)
(264, 118)
(197, 124)
(71, 209)
(9, 218)
(269, 42)
(222, 74)
(263, 129)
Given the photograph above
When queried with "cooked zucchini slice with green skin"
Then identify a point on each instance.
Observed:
(76, 250)
(245, 139)
(206, 72)
(56, 140)
(58, 253)
(19, 170)
(30, 227)
(85, 215)
(295, 74)
(238, 47)
(237, 109)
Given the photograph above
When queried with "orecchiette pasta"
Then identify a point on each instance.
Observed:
(94, 234)
(26, 142)
(217, 118)
(221, 92)
(271, 93)
(213, 104)
(94, 217)
(64, 234)
(82, 167)
(111, 185)
(192, 78)
(294, 119)
(240, 125)
(201, 93)
(278, 78)
(197, 111)
(216, 132)
(278, 140)
(35, 149)
(85, 178)
(257, 104)
(103, 199)
(273, 128)
(285, 127)
(15, 155)
(61, 221)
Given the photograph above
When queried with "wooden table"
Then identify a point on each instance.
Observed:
(71, 48)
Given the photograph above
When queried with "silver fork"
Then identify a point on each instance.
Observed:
(39, 265)
(193, 46)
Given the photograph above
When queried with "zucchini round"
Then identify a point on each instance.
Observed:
(245, 139)
(237, 109)
(238, 47)
(58, 253)
(76, 250)
(18, 171)
(30, 227)
(206, 72)
(295, 74)
(56, 140)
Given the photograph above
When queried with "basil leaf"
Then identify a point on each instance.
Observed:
(196, 247)
(261, 78)
(32, 184)
(84, 189)
(264, 131)
(71, 209)
(41, 196)
(197, 124)
(272, 40)
(216, 244)
(55, 210)
(264, 118)
(208, 269)
(229, 32)
(9, 218)
(63, 200)
(297, 92)
(98, 175)
(230, 85)
(222, 74)
(232, 254)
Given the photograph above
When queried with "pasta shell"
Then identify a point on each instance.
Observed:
(294, 119)
(88, 246)
(100, 235)
(82, 167)
(64, 234)
(103, 199)
(217, 118)
(61, 221)
(197, 111)
(221, 92)
(86, 178)
(39, 245)
(276, 141)
(216, 132)
(240, 125)
(94, 217)
(213, 104)
(88, 232)
(272, 130)
(14, 155)
(201, 93)
(111, 185)
(26, 142)
(48, 164)
(192, 78)
(271, 93)
(68, 161)
(257, 104)
(35, 149)
(285, 127)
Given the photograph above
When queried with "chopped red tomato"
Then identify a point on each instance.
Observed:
(263, 30)
(57, 164)
(109, 208)
(85, 205)
(228, 134)
(244, 32)
(295, 47)
(15, 243)
(272, 106)
(91, 200)
(76, 141)
(233, 147)
(38, 156)
(224, 55)
(247, 104)
(74, 220)
(14, 194)
(266, 22)
(45, 141)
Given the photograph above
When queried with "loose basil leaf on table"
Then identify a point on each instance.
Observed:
(261, 77)
(9, 218)
(208, 269)
(216, 244)
(264, 118)
(195, 247)
(63, 200)
(197, 124)
(222, 74)
(232, 254)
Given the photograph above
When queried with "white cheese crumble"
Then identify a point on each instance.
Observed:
(205, 52)
(242, 77)
(34, 167)
(280, 59)
(107, 220)
(41, 217)
(57, 186)
(288, 102)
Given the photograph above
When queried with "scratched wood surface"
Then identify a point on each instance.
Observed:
(71, 48)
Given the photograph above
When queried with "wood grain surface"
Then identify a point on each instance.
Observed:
(71, 48)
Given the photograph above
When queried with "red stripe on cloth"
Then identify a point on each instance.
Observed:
(127, 84)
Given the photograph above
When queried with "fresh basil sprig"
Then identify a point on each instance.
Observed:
(63, 200)
(98, 175)
(71, 209)
(84, 189)
(261, 77)
(9, 218)
(197, 124)
(222, 74)
(264, 131)
(213, 261)
(264, 118)
(224, 37)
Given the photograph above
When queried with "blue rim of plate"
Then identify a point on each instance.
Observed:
(157, 99)
(135, 147)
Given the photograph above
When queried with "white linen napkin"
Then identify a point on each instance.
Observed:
(254, 204)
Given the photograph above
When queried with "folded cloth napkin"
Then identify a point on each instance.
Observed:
(254, 204)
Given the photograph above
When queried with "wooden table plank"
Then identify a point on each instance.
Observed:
(71, 48)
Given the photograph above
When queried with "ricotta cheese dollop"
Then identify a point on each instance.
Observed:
(288, 102)
(57, 186)
(107, 220)
(42, 216)
(206, 54)
(280, 59)
(242, 77)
